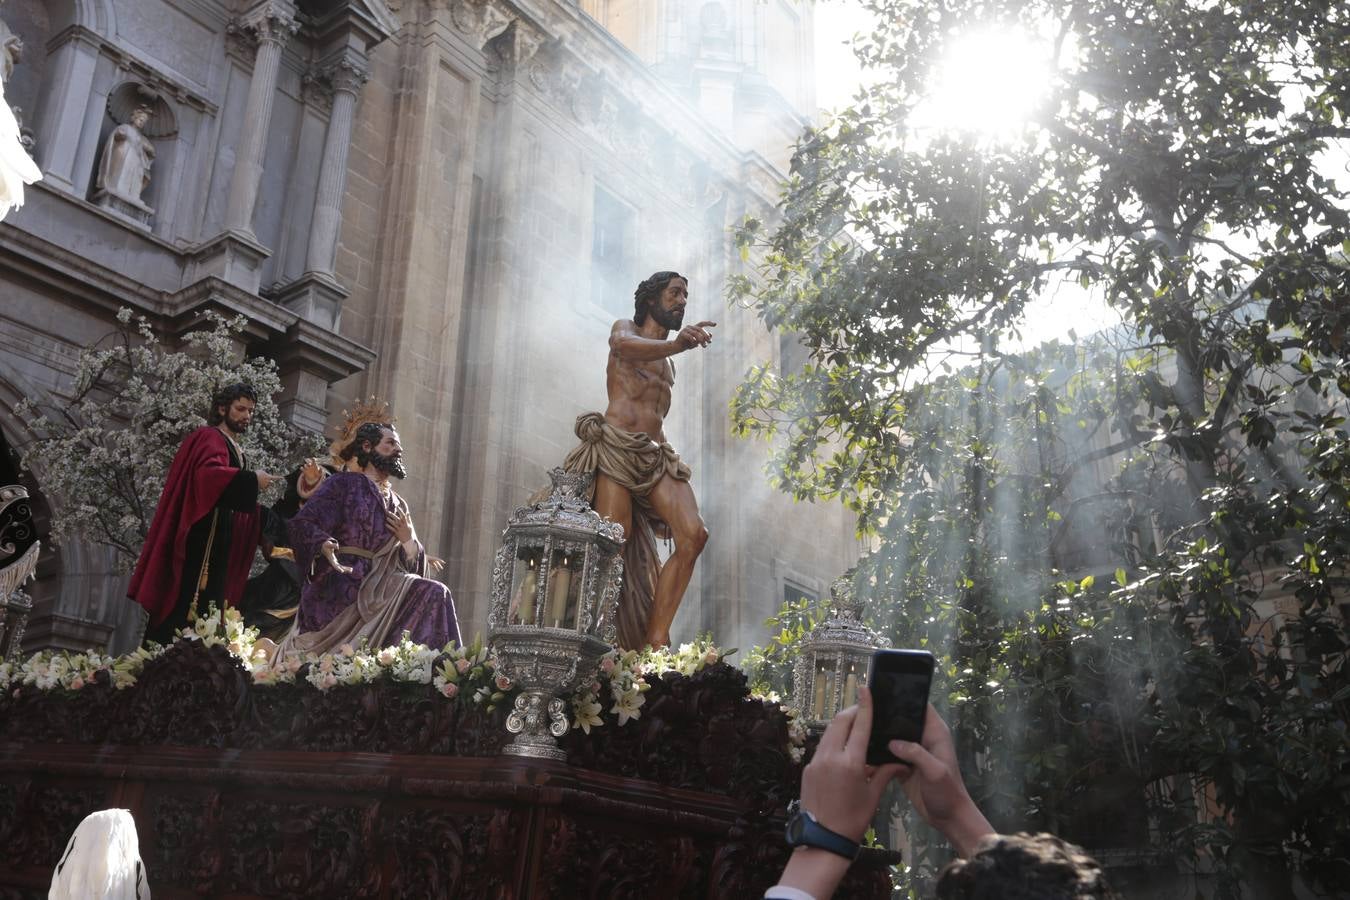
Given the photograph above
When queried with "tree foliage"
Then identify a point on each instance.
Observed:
(103, 456)
(1129, 552)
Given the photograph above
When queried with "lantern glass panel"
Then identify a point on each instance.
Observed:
(822, 690)
(564, 587)
(525, 585)
(853, 674)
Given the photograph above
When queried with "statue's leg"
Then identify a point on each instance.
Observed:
(674, 501)
(613, 501)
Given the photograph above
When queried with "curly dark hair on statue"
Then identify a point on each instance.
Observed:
(1025, 867)
(648, 291)
(224, 398)
(370, 433)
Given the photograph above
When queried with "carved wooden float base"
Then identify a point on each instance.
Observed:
(260, 823)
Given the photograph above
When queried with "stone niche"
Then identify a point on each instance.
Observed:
(128, 171)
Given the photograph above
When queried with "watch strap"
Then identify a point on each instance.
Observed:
(804, 830)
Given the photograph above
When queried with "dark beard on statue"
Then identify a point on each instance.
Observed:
(389, 465)
(669, 319)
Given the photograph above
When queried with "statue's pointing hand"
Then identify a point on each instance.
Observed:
(329, 550)
(692, 336)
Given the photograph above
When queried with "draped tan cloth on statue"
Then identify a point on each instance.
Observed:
(637, 463)
(379, 603)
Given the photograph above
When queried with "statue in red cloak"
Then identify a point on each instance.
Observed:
(207, 524)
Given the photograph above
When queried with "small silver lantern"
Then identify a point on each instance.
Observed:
(19, 549)
(834, 658)
(555, 593)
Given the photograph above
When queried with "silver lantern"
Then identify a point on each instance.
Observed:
(834, 658)
(555, 594)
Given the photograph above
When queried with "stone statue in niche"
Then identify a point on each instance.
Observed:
(124, 173)
(11, 51)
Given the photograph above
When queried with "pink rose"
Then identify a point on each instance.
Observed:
(595, 687)
(710, 657)
(462, 665)
(450, 689)
(329, 680)
(607, 664)
(346, 650)
(77, 683)
(503, 683)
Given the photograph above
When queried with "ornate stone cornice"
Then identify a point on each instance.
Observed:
(272, 22)
(346, 73)
(482, 20)
(132, 68)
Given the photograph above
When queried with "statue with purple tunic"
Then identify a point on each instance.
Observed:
(363, 570)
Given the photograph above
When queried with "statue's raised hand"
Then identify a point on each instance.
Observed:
(400, 523)
(692, 336)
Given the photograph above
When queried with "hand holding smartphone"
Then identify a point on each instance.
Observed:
(899, 682)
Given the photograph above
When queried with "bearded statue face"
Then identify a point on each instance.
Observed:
(386, 456)
(668, 309)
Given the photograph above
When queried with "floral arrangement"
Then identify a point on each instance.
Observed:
(457, 673)
(627, 671)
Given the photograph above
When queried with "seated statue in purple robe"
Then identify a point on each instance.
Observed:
(362, 567)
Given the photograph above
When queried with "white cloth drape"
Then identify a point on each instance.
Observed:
(102, 861)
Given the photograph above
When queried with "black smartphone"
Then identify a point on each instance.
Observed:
(899, 682)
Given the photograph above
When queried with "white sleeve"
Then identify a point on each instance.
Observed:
(778, 892)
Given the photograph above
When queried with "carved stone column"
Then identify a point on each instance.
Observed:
(346, 77)
(272, 23)
(63, 109)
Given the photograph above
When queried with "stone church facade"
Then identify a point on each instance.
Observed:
(442, 203)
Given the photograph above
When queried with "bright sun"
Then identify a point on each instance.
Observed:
(988, 82)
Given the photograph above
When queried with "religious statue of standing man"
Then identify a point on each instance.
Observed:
(124, 172)
(640, 481)
(206, 526)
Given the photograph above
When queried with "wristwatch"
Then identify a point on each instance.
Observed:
(805, 830)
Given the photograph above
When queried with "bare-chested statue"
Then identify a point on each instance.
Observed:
(640, 482)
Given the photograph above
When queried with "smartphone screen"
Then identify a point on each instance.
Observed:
(899, 683)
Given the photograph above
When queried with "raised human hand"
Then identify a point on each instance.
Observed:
(265, 479)
(692, 336)
(838, 786)
(436, 564)
(311, 475)
(329, 551)
(400, 524)
(933, 784)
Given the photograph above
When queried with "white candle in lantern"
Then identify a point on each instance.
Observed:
(850, 689)
(818, 707)
(529, 586)
(560, 580)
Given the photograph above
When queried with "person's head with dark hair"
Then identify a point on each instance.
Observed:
(1024, 867)
(377, 445)
(233, 407)
(662, 296)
